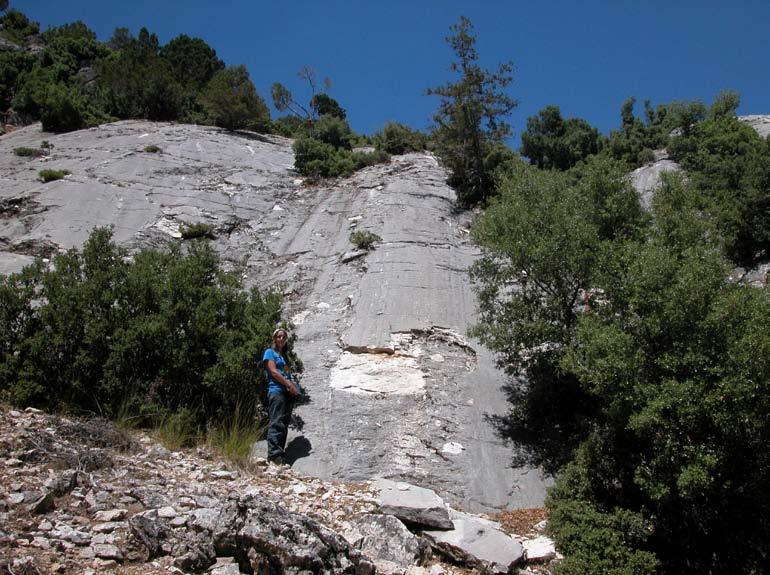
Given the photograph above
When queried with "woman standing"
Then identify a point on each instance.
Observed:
(281, 391)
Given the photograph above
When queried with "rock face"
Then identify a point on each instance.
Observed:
(647, 178)
(761, 123)
(391, 379)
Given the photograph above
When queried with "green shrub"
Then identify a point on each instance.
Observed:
(553, 142)
(291, 126)
(364, 239)
(153, 149)
(365, 159)
(16, 27)
(29, 152)
(333, 131)
(646, 370)
(646, 156)
(318, 159)
(233, 102)
(63, 111)
(51, 175)
(396, 138)
(151, 336)
(198, 230)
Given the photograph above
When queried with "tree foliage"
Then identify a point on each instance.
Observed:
(16, 27)
(324, 105)
(127, 77)
(155, 335)
(641, 371)
(551, 142)
(470, 119)
(637, 138)
(233, 102)
(397, 138)
(729, 164)
(193, 62)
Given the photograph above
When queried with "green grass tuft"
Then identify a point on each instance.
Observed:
(29, 152)
(177, 430)
(52, 175)
(199, 230)
(235, 437)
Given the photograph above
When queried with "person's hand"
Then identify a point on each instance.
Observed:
(292, 389)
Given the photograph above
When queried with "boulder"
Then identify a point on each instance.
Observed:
(412, 504)
(477, 543)
(384, 537)
(265, 536)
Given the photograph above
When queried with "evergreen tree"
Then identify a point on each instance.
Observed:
(550, 141)
(233, 101)
(470, 119)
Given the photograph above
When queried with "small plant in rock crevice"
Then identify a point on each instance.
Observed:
(25, 152)
(364, 239)
(153, 149)
(198, 230)
(52, 175)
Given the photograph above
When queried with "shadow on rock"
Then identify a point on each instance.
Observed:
(297, 448)
(548, 418)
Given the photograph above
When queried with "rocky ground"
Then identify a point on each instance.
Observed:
(83, 496)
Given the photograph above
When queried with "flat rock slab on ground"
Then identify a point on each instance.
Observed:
(476, 542)
(412, 504)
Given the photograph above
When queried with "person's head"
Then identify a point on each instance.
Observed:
(280, 337)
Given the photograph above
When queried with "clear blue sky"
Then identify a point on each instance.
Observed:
(584, 56)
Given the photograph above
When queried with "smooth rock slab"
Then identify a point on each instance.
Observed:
(412, 504)
(477, 543)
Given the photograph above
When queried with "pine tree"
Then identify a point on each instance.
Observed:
(470, 118)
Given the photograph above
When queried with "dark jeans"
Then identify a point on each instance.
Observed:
(279, 407)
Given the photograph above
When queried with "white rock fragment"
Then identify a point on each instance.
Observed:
(452, 448)
(375, 373)
(222, 474)
(539, 550)
(167, 512)
(111, 515)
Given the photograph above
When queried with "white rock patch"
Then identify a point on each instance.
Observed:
(367, 374)
(452, 448)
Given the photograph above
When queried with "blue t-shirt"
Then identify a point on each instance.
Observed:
(280, 364)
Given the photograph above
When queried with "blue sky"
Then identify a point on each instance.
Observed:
(584, 56)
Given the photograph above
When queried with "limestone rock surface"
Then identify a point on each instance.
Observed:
(477, 543)
(390, 377)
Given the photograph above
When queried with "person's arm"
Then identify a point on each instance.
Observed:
(277, 376)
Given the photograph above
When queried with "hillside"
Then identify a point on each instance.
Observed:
(396, 389)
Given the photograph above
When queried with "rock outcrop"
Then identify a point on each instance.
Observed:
(395, 389)
(145, 509)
